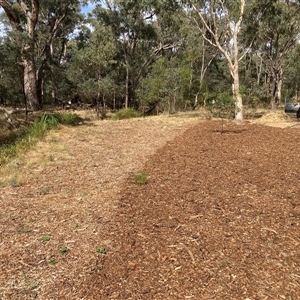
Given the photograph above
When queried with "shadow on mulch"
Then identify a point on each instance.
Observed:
(228, 131)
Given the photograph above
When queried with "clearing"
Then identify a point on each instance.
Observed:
(218, 218)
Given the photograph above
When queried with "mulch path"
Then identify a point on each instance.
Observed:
(218, 219)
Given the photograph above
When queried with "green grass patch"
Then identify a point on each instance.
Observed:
(46, 238)
(127, 113)
(140, 178)
(63, 250)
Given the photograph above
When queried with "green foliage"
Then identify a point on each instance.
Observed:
(127, 113)
(140, 178)
(63, 250)
(223, 106)
(101, 250)
(53, 120)
(94, 57)
(46, 238)
(166, 87)
(145, 47)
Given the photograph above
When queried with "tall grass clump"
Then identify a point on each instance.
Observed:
(35, 132)
(127, 113)
(67, 119)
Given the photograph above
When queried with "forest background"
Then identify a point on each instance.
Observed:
(153, 56)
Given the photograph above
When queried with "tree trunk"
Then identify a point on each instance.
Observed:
(229, 48)
(237, 95)
(25, 37)
(30, 86)
(40, 88)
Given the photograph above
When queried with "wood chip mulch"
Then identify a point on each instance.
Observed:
(219, 218)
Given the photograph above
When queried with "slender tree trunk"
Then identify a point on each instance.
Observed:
(40, 87)
(239, 114)
(258, 68)
(238, 100)
(127, 87)
(279, 86)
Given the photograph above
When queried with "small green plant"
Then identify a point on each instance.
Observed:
(46, 238)
(223, 106)
(101, 250)
(127, 113)
(53, 261)
(63, 250)
(140, 178)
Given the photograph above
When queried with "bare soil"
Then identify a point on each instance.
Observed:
(218, 218)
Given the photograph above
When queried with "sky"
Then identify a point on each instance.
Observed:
(88, 8)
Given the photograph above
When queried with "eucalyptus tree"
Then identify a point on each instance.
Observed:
(35, 24)
(198, 55)
(274, 26)
(292, 74)
(143, 31)
(92, 63)
(166, 87)
(220, 23)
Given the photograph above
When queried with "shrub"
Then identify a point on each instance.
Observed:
(53, 120)
(127, 113)
(222, 106)
(68, 119)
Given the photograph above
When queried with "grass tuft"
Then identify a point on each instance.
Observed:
(127, 113)
(140, 178)
(63, 250)
(101, 250)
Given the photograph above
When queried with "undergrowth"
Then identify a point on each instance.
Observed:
(36, 131)
(127, 113)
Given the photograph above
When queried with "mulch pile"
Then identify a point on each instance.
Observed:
(274, 116)
(218, 219)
